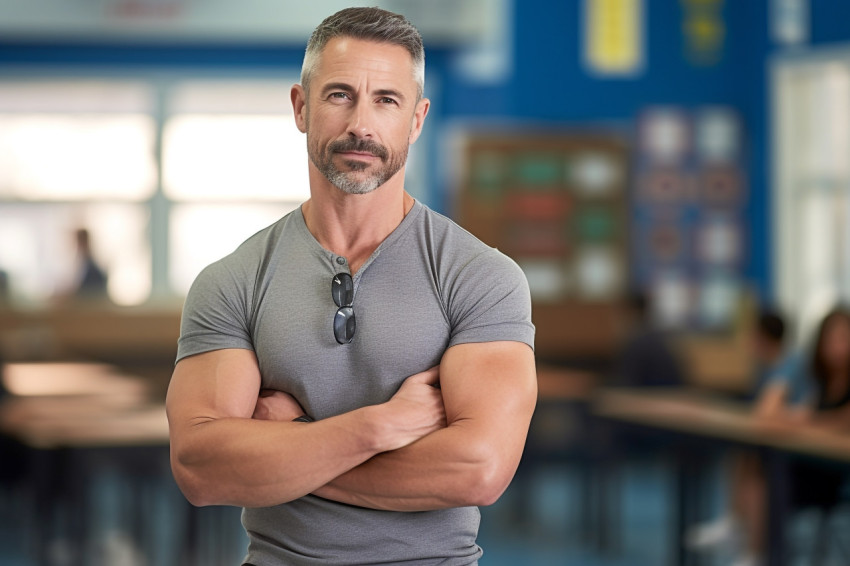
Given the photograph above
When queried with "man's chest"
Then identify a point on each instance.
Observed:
(401, 329)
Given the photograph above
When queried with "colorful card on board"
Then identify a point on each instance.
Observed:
(599, 272)
(539, 206)
(664, 186)
(488, 174)
(595, 224)
(536, 169)
(664, 136)
(718, 136)
(719, 241)
(595, 175)
(721, 187)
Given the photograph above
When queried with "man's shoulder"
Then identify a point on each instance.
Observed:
(448, 232)
(460, 256)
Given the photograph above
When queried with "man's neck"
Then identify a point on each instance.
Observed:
(353, 226)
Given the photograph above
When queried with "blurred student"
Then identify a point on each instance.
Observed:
(812, 390)
(89, 279)
(92, 278)
(646, 357)
(5, 293)
(780, 374)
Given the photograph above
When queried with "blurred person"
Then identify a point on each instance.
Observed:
(646, 357)
(89, 278)
(5, 293)
(91, 281)
(812, 390)
(367, 443)
(780, 373)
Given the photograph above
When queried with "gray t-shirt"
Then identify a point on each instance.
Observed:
(428, 286)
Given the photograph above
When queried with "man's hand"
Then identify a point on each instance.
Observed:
(416, 409)
(276, 406)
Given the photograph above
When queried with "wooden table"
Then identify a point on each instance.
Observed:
(63, 414)
(76, 405)
(698, 415)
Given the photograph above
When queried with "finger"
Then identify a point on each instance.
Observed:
(430, 376)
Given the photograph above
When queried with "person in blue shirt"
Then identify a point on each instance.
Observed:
(779, 381)
(801, 388)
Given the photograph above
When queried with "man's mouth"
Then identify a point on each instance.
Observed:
(356, 154)
(361, 149)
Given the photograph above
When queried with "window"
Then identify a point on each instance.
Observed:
(75, 154)
(153, 167)
(812, 176)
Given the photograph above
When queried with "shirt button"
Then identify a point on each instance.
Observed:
(340, 260)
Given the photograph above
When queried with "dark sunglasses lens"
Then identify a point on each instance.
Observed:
(342, 289)
(344, 325)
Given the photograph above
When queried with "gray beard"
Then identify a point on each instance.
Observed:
(348, 181)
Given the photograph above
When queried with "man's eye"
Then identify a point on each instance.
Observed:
(339, 95)
(387, 100)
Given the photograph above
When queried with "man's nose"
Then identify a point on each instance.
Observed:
(361, 122)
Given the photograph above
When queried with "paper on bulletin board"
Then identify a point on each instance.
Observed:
(789, 21)
(613, 36)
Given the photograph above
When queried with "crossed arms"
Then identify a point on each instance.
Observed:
(425, 448)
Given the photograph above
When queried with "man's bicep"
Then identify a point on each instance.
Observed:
(213, 385)
(491, 386)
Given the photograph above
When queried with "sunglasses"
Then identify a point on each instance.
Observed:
(342, 291)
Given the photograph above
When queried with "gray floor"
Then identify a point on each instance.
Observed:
(538, 522)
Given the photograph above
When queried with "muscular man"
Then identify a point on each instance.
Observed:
(359, 376)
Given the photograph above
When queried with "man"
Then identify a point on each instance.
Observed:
(404, 342)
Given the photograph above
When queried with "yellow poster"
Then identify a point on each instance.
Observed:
(704, 30)
(613, 36)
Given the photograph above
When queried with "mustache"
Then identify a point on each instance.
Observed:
(367, 146)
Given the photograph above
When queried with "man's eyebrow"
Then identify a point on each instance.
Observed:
(390, 92)
(337, 86)
(345, 87)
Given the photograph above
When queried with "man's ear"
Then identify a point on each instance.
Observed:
(299, 106)
(419, 114)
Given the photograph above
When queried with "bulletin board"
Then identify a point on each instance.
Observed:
(688, 215)
(557, 204)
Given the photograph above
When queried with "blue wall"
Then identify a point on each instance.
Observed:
(550, 83)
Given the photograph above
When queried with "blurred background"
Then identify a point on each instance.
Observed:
(664, 171)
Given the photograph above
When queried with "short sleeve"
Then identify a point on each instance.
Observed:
(216, 313)
(791, 372)
(490, 301)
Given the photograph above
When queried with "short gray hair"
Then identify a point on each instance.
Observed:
(371, 24)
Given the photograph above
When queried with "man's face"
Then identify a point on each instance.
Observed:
(361, 113)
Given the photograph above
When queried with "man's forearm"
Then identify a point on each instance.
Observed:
(441, 470)
(221, 457)
(254, 463)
